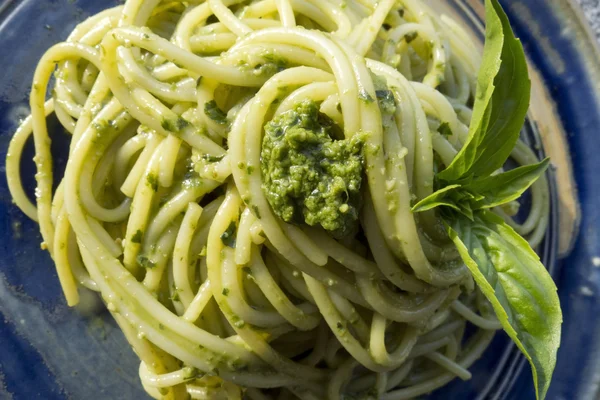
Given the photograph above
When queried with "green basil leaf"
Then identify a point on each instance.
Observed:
(464, 207)
(521, 291)
(436, 199)
(501, 101)
(499, 189)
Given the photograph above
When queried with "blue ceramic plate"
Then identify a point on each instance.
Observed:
(48, 351)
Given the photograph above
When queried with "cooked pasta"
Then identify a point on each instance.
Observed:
(164, 208)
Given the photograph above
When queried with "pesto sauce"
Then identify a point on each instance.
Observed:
(272, 63)
(307, 176)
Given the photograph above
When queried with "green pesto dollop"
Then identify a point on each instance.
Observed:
(308, 177)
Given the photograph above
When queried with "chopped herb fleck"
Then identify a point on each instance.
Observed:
(152, 180)
(181, 124)
(173, 125)
(386, 101)
(228, 237)
(145, 262)
(225, 292)
(272, 64)
(214, 112)
(137, 237)
(212, 159)
(365, 96)
(444, 129)
(409, 37)
(280, 62)
(167, 125)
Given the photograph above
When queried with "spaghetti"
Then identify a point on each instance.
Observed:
(162, 208)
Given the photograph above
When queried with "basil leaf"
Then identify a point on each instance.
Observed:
(464, 207)
(501, 101)
(436, 199)
(505, 187)
(517, 285)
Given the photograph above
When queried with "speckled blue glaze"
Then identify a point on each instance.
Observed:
(48, 351)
